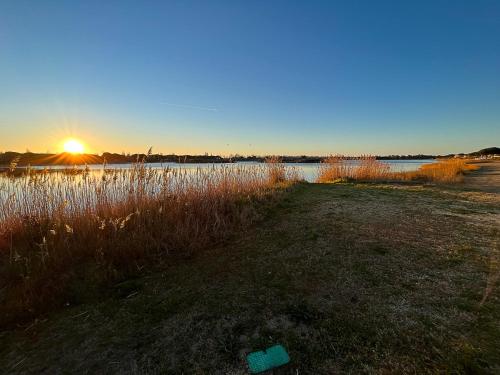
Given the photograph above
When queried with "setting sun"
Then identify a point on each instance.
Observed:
(73, 146)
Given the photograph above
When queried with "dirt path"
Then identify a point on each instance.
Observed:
(486, 179)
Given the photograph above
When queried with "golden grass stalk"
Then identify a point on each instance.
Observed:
(54, 226)
(341, 168)
(449, 170)
(277, 172)
(367, 168)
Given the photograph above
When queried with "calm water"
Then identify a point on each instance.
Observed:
(308, 170)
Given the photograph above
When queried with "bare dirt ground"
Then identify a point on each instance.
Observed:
(350, 278)
(487, 178)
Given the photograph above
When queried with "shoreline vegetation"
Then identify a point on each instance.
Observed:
(61, 229)
(367, 168)
(50, 159)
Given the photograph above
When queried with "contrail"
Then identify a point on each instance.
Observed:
(211, 109)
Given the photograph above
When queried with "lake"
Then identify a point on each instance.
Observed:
(308, 170)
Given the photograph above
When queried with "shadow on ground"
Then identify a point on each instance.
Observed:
(349, 278)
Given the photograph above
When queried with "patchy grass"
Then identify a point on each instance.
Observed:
(349, 278)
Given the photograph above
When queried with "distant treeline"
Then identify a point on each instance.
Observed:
(407, 157)
(485, 152)
(29, 158)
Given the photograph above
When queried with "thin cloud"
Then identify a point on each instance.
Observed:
(211, 109)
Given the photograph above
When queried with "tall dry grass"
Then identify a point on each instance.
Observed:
(446, 171)
(364, 168)
(61, 229)
(278, 173)
(367, 168)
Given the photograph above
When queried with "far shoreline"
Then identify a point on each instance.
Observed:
(14, 159)
(10, 158)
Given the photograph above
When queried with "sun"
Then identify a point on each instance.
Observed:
(73, 146)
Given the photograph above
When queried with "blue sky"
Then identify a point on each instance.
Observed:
(251, 77)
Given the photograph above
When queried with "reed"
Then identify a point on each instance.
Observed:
(445, 171)
(364, 168)
(367, 168)
(58, 228)
(277, 171)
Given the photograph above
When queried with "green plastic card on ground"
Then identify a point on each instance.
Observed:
(274, 356)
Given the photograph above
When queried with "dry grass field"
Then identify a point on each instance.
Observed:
(349, 277)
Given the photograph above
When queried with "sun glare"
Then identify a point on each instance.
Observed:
(73, 146)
